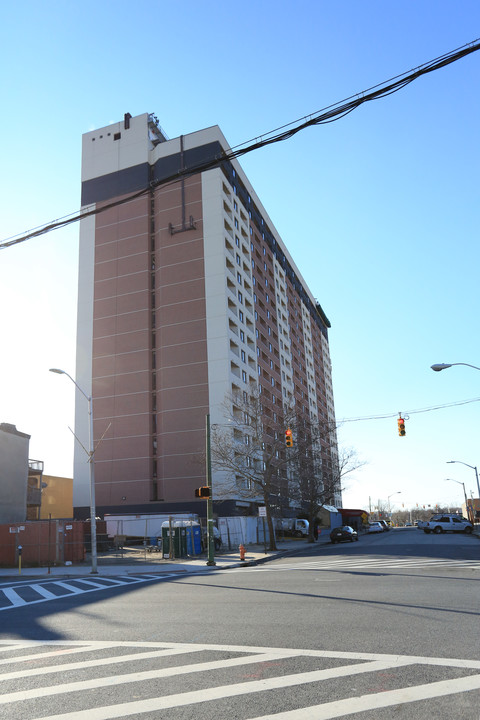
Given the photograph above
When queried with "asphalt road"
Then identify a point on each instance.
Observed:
(388, 625)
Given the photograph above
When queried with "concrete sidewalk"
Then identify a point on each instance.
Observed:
(135, 561)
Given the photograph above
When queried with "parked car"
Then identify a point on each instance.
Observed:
(375, 527)
(446, 523)
(343, 534)
(385, 525)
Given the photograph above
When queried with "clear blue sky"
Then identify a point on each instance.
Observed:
(379, 210)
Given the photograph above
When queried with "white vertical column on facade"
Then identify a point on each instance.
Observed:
(83, 371)
(218, 353)
(327, 365)
(309, 363)
(286, 372)
(215, 292)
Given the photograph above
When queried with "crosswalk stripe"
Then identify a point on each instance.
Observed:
(88, 586)
(224, 691)
(84, 664)
(100, 688)
(14, 597)
(352, 706)
(362, 563)
(110, 681)
(71, 588)
(44, 592)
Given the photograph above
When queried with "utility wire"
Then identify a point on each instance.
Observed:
(326, 115)
(405, 414)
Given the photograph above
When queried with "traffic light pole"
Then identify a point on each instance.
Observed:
(210, 539)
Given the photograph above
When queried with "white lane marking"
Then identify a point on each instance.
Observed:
(109, 582)
(44, 592)
(17, 601)
(52, 653)
(82, 664)
(94, 645)
(14, 598)
(225, 691)
(112, 680)
(363, 703)
(366, 663)
(362, 563)
(71, 588)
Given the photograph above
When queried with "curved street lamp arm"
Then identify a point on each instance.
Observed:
(443, 366)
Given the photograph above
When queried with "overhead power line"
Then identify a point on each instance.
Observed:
(406, 413)
(325, 115)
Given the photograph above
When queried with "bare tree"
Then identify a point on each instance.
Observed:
(250, 453)
(315, 476)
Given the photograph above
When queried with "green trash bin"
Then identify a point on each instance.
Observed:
(179, 540)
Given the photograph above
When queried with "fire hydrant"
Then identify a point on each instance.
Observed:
(242, 552)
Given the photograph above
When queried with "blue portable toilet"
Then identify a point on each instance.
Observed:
(194, 537)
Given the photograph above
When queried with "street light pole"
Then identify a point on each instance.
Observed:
(473, 467)
(210, 538)
(464, 492)
(399, 492)
(90, 452)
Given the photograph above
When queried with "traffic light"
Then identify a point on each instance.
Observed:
(401, 426)
(203, 492)
(288, 438)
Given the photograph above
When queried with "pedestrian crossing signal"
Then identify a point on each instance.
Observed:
(401, 426)
(203, 492)
(288, 438)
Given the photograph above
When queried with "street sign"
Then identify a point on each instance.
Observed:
(262, 511)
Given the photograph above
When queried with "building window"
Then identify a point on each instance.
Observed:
(240, 297)
(237, 258)
(237, 241)
(239, 278)
(240, 315)
(243, 355)
(244, 376)
(242, 336)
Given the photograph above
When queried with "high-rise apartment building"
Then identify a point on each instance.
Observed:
(186, 295)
